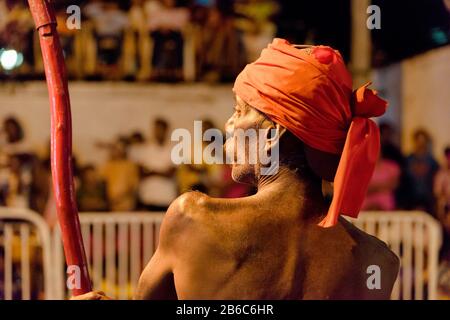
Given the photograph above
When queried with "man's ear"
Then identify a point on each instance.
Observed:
(273, 134)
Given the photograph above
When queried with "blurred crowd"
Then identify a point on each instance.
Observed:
(171, 41)
(139, 175)
(161, 40)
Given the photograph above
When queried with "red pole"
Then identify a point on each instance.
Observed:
(61, 142)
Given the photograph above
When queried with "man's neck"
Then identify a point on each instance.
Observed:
(286, 182)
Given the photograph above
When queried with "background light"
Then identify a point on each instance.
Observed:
(9, 59)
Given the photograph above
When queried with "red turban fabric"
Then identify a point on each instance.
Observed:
(308, 90)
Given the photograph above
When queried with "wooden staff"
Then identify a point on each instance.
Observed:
(61, 144)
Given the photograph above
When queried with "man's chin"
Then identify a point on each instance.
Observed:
(243, 175)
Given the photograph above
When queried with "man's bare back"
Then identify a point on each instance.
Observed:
(268, 245)
(258, 248)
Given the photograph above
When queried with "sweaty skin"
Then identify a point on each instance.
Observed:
(265, 246)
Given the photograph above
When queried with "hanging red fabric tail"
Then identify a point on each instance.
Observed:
(61, 144)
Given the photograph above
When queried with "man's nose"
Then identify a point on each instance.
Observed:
(229, 125)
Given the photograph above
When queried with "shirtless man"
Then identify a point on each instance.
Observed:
(271, 245)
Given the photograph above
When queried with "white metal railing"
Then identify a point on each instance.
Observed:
(118, 246)
(23, 233)
(415, 237)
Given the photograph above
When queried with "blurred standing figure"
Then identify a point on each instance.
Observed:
(109, 26)
(135, 44)
(207, 176)
(165, 22)
(219, 48)
(385, 178)
(12, 137)
(122, 179)
(391, 151)
(389, 148)
(257, 25)
(14, 184)
(4, 12)
(91, 194)
(421, 168)
(157, 188)
(442, 189)
(442, 194)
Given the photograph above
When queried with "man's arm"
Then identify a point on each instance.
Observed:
(156, 281)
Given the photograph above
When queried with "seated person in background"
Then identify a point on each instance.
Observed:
(122, 179)
(205, 177)
(109, 26)
(421, 169)
(12, 137)
(219, 49)
(381, 191)
(91, 194)
(157, 188)
(256, 24)
(442, 190)
(67, 39)
(15, 180)
(165, 23)
(442, 194)
(93, 8)
(391, 151)
(136, 16)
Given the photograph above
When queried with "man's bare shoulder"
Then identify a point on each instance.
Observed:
(181, 215)
(373, 251)
(370, 244)
(188, 205)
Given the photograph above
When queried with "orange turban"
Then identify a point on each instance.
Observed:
(308, 90)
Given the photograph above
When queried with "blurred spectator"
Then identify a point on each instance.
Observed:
(385, 178)
(442, 194)
(14, 184)
(204, 177)
(15, 165)
(91, 194)
(213, 179)
(12, 137)
(165, 23)
(68, 42)
(137, 15)
(442, 190)
(157, 188)
(136, 138)
(389, 148)
(258, 28)
(135, 43)
(391, 151)
(17, 29)
(109, 26)
(93, 8)
(421, 168)
(4, 12)
(122, 178)
(219, 48)
(40, 184)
